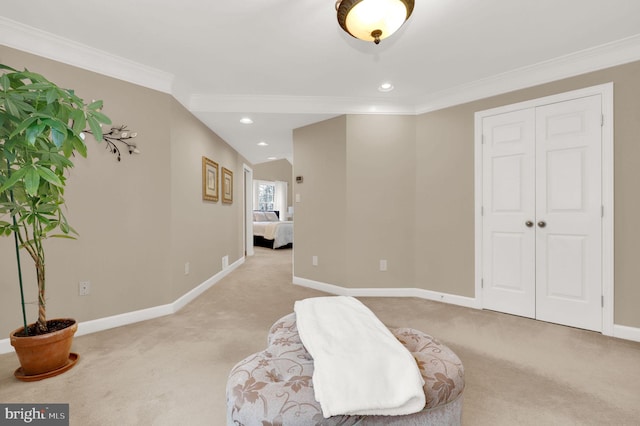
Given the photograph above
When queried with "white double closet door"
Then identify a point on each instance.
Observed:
(542, 212)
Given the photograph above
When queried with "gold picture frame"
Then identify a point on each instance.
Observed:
(227, 186)
(209, 180)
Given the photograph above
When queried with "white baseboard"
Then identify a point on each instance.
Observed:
(619, 331)
(93, 326)
(628, 333)
(100, 324)
(453, 299)
(5, 346)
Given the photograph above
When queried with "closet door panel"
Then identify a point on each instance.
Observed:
(508, 204)
(568, 213)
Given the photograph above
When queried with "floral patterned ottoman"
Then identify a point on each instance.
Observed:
(274, 386)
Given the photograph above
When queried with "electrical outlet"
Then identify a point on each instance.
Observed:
(84, 288)
(187, 268)
(383, 265)
(225, 262)
(314, 260)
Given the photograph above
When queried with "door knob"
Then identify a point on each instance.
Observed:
(529, 224)
(542, 224)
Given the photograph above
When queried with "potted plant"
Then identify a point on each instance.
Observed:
(42, 129)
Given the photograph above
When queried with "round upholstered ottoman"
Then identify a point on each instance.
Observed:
(274, 386)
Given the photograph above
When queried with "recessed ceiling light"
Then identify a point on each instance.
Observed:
(262, 143)
(246, 120)
(385, 87)
(272, 158)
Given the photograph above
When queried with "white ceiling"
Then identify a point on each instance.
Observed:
(287, 64)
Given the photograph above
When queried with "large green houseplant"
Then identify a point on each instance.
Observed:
(42, 128)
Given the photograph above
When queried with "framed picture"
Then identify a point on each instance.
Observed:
(227, 186)
(209, 180)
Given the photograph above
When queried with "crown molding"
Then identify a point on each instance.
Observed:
(32, 40)
(41, 43)
(593, 59)
(297, 104)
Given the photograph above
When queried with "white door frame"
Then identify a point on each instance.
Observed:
(606, 91)
(248, 209)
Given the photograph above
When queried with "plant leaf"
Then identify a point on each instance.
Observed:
(95, 128)
(70, 237)
(10, 106)
(15, 177)
(22, 126)
(32, 134)
(50, 226)
(79, 122)
(52, 95)
(95, 105)
(31, 181)
(5, 83)
(101, 117)
(48, 175)
(58, 137)
(79, 145)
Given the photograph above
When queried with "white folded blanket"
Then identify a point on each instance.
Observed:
(359, 365)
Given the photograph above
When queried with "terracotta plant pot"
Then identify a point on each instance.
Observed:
(44, 355)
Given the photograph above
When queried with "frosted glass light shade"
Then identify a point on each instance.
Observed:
(373, 20)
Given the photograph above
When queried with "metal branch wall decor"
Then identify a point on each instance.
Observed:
(121, 135)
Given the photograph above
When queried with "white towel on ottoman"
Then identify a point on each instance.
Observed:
(359, 365)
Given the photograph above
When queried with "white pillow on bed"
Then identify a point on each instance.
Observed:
(259, 217)
(271, 216)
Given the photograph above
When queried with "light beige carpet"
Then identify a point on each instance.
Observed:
(173, 370)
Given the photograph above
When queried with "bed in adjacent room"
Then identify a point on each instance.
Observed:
(269, 231)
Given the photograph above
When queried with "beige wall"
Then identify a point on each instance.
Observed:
(355, 210)
(440, 243)
(139, 219)
(202, 231)
(375, 187)
(380, 200)
(280, 170)
(320, 153)
(444, 227)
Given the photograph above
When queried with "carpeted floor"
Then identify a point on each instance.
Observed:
(173, 370)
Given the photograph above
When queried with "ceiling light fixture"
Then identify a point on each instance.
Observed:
(373, 20)
(246, 120)
(385, 87)
(262, 143)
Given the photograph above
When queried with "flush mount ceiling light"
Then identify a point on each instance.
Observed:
(373, 20)
(263, 143)
(385, 87)
(246, 120)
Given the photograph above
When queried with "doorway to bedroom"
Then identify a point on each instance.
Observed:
(272, 211)
(272, 224)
